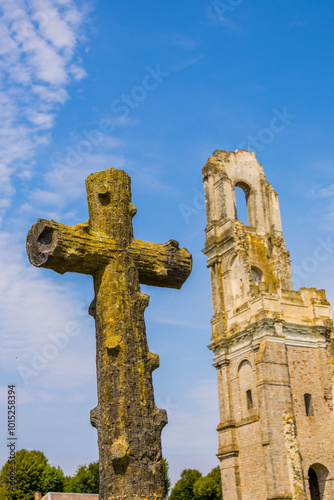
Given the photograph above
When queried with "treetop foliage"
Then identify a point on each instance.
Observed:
(33, 473)
(85, 480)
(30, 472)
(192, 485)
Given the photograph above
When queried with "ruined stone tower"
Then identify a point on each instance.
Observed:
(272, 346)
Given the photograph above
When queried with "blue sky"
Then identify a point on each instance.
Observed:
(167, 83)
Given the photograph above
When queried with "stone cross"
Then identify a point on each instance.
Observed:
(128, 423)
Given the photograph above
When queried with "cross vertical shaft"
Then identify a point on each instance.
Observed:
(128, 423)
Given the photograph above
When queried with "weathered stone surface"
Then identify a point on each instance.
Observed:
(79, 249)
(129, 424)
(272, 345)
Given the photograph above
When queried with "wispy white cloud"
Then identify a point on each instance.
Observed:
(202, 402)
(197, 415)
(184, 42)
(176, 322)
(182, 65)
(50, 95)
(321, 192)
(42, 324)
(151, 179)
(42, 120)
(67, 178)
(77, 72)
(322, 195)
(38, 40)
(88, 152)
(222, 12)
(43, 198)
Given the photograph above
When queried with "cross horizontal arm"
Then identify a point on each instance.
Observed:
(68, 248)
(78, 249)
(164, 265)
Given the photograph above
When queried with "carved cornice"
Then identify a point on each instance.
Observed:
(225, 452)
(249, 339)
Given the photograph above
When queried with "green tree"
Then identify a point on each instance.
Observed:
(168, 483)
(85, 480)
(209, 487)
(52, 479)
(184, 488)
(30, 472)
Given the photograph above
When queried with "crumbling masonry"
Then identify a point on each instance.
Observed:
(272, 346)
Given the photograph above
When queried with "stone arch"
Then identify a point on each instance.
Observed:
(244, 186)
(246, 387)
(257, 275)
(245, 218)
(230, 260)
(318, 475)
(244, 362)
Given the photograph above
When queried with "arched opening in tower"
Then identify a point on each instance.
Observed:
(257, 275)
(242, 191)
(314, 484)
(318, 476)
(308, 405)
